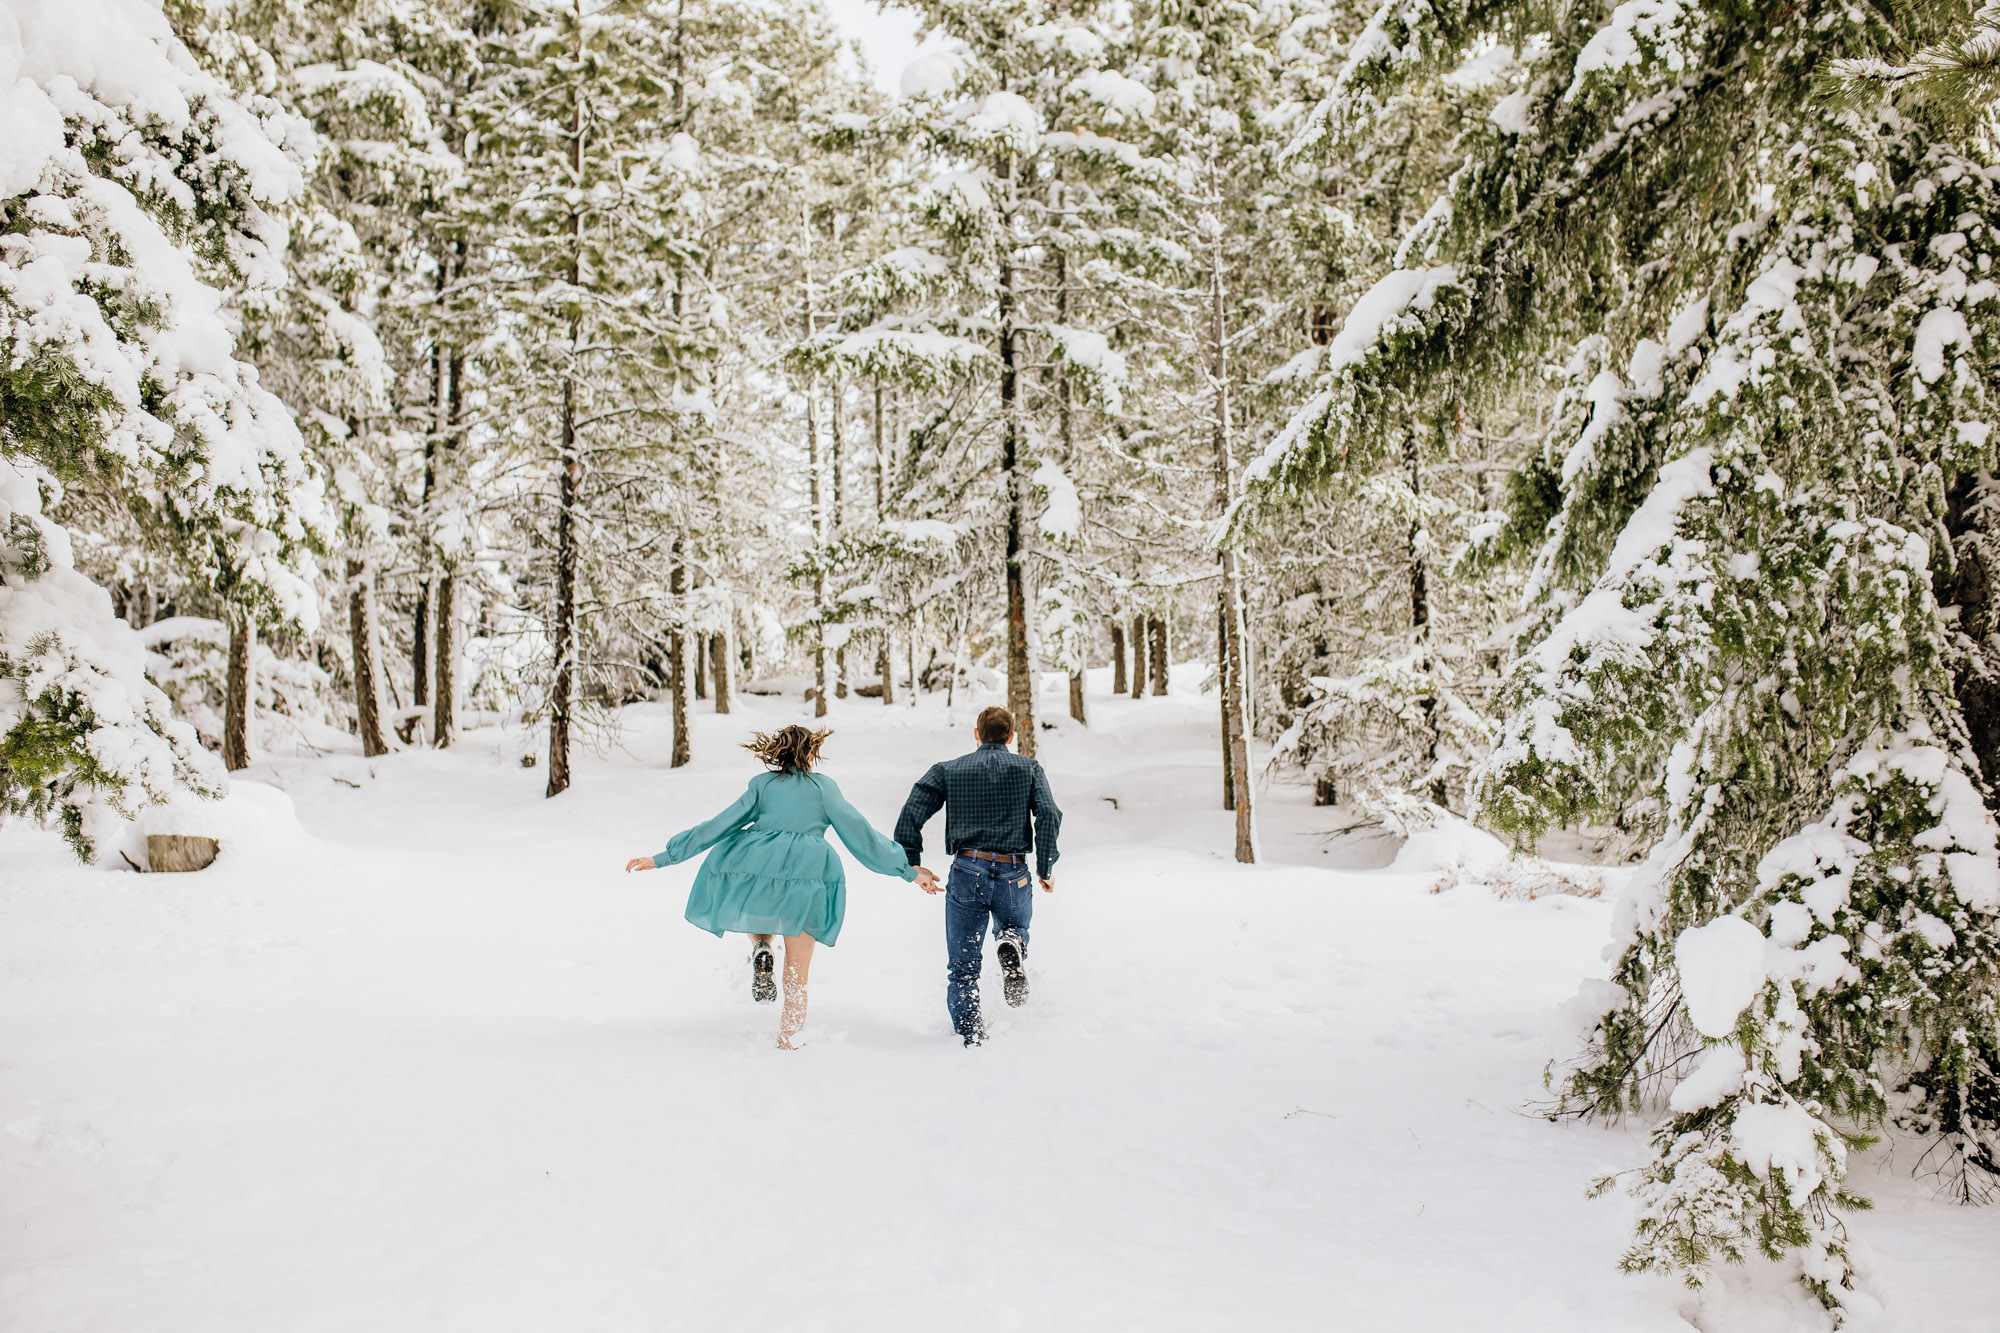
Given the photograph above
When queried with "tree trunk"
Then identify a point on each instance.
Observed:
(1223, 690)
(718, 669)
(444, 716)
(888, 664)
(819, 573)
(444, 704)
(1420, 615)
(1020, 669)
(1117, 657)
(701, 666)
(1076, 707)
(819, 516)
(1232, 669)
(570, 483)
(361, 647)
(420, 648)
(1138, 656)
(839, 451)
(1156, 628)
(677, 655)
(1972, 520)
(239, 692)
(569, 492)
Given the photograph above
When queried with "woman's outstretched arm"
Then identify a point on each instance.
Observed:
(870, 848)
(692, 842)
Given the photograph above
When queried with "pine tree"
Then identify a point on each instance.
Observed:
(1011, 207)
(587, 185)
(129, 200)
(1776, 298)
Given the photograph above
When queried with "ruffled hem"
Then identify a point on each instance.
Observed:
(725, 901)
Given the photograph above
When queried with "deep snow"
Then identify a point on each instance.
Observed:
(437, 1063)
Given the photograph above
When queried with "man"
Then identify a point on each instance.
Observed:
(991, 797)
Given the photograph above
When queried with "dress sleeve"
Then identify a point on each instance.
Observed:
(870, 848)
(694, 841)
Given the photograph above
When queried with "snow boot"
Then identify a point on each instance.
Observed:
(1013, 957)
(763, 964)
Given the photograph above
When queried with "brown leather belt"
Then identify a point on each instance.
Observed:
(1005, 858)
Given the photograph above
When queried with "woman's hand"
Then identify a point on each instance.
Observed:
(639, 863)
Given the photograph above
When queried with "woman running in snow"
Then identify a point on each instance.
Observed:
(772, 872)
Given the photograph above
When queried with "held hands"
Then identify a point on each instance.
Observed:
(929, 882)
(639, 863)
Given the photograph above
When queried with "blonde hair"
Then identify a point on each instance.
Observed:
(793, 749)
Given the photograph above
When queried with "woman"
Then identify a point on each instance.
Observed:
(772, 872)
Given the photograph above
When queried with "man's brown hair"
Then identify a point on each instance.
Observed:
(994, 724)
(792, 749)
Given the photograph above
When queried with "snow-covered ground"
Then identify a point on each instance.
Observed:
(434, 1062)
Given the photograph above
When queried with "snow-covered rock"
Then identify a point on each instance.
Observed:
(252, 819)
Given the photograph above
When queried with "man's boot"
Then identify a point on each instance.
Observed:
(1013, 967)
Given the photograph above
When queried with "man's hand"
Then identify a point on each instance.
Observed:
(928, 882)
(639, 863)
(1048, 886)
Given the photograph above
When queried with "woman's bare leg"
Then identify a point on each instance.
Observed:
(798, 965)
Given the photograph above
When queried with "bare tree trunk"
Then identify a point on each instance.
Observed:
(239, 691)
(818, 499)
(677, 654)
(1020, 667)
(1156, 631)
(701, 666)
(839, 451)
(1972, 520)
(565, 618)
(718, 669)
(1233, 669)
(361, 647)
(420, 648)
(444, 706)
(1223, 690)
(1117, 657)
(1420, 614)
(911, 646)
(1138, 656)
(569, 490)
(444, 716)
(1076, 706)
(887, 657)
(819, 537)
(420, 636)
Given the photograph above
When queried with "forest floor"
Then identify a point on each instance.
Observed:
(427, 1059)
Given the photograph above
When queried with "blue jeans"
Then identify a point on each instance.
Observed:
(975, 891)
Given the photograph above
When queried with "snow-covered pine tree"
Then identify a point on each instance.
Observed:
(1369, 687)
(134, 183)
(1010, 204)
(1747, 535)
(585, 184)
(1212, 126)
(315, 339)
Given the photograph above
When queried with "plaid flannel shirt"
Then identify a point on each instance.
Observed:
(989, 798)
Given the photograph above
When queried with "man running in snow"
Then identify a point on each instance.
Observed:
(991, 798)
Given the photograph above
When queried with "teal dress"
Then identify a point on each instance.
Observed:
(772, 872)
